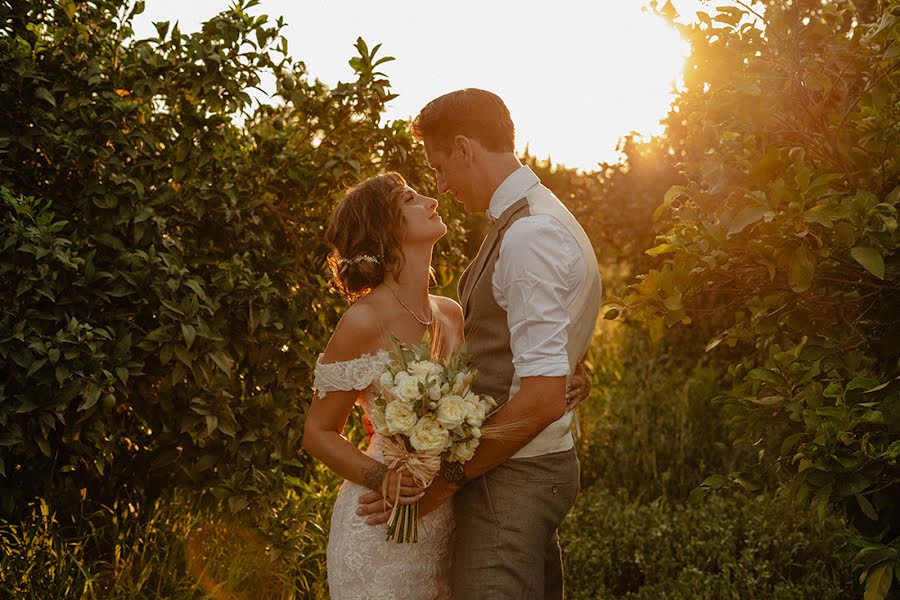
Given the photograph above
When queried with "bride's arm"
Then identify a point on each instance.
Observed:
(327, 416)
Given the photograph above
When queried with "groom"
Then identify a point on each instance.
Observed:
(530, 300)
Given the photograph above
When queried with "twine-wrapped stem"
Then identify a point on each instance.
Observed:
(403, 524)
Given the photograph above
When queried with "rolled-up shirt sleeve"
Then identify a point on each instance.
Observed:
(535, 280)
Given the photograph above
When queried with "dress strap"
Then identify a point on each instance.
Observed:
(356, 374)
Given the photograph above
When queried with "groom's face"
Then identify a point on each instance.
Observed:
(452, 174)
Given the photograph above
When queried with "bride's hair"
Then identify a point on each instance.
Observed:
(364, 234)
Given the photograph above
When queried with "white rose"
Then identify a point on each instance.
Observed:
(428, 436)
(434, 392)
(386, 379)
(476, 432)
(424, 369)
(451, 412)
(417, 368)
(399, 418)
(378, 421)
(408, 389)
(475, 413)
(463, 451)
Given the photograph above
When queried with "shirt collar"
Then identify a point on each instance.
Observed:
(513, 189)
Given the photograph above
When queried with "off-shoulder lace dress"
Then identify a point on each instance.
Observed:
(362, 564)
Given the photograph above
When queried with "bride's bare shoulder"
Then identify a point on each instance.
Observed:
(357, 333)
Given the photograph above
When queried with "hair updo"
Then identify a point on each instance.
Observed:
(368, 222)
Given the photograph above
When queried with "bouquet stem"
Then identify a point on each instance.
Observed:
(403, 528)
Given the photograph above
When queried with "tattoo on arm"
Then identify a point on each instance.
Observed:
(374, 475)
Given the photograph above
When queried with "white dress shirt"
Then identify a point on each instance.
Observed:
(537, 276)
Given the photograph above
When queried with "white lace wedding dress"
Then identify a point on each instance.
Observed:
(362, 563)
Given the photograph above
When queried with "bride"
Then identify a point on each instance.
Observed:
(381, 237)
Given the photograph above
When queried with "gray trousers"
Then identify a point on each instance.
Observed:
(507, 545)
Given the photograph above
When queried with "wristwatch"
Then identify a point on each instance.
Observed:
(453, 472)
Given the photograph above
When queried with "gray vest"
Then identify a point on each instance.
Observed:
(486, 328)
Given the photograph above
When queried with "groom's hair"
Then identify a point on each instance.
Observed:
(476, 114)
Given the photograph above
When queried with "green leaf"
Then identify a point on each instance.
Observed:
(44, 94)
(672, 194)
(110, 241)
(745, 218)
(162, 28)
(866, 507)
(716, 481)
(661, 249)
(834, 390)
(837, 412)
(791, 441)
(160, 334)
(44, 445)
(878, 583)
(198, 289)
(869, 258)
(766, 376)
(861, 383)
(35, 366)
(90, 395)
(802, 270)
(189, 334)
(877, 388)
(222, 360)
(768, 400)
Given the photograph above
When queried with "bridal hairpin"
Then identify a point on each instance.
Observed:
(345, 262)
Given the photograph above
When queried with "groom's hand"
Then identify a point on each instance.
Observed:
(373, 507)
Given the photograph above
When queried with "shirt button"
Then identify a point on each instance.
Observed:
(555, 489)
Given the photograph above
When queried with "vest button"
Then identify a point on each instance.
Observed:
(555, 489)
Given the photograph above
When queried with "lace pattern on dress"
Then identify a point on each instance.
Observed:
(356, 374)
(363, 565)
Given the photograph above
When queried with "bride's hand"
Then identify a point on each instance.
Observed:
(377, 509)
(409, 490)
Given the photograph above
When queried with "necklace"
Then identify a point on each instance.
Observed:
(426, 323)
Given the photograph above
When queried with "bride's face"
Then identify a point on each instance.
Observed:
(423, 223)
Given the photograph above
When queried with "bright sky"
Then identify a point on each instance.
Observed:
(576, 75)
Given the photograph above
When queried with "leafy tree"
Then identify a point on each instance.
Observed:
(780, 250)
(164, 288)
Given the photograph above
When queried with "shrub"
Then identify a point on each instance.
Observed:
(650, 427)
(727, 548)
(178, 547)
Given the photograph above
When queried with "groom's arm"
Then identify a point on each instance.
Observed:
(539, 402)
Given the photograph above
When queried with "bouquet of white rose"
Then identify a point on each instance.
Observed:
(427, 412)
